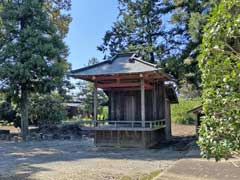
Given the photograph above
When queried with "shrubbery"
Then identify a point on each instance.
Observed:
(43, 109)
(47, 109)
(8, 115)
(220, 66)
(179, 111)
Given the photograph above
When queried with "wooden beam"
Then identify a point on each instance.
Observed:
(143, 102)
(126, 85)
(95, 104)
(114, 77)
(115, 85)
(128, 88)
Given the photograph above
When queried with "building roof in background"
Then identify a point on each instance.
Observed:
(196, 110)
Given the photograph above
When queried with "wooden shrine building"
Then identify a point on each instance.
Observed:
(139, 101)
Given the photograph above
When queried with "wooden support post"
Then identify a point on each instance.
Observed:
(112, 115)
(95, 104)
(167, 117)
(142, 102)
(154, 102)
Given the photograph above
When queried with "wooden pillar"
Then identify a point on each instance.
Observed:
(112, 106)
(95, 104)
(154, 99)
(143, 102)
(167, 116)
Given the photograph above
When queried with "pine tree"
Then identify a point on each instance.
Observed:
(187, 20)
(167, 32)
(58, 13)
(137, 29)
(32, 52)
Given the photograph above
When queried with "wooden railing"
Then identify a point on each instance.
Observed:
(124, 124)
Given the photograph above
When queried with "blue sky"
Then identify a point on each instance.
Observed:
(91, 19)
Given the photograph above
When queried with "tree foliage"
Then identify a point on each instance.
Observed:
(7, 113)
(54, 113)
(58, 13)
(138, 29)
(184, 37)
(32, 52)
(167, 32)
(220, 65)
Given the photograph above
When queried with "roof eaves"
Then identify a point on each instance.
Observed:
(195, 109)
(170, 77)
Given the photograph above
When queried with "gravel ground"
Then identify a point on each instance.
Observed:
(81, 160)
(76, 160)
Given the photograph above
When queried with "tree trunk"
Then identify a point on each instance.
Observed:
(152, 59)
(24, 114)
(150, 43)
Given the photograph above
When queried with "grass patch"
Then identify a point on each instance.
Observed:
(179, 111)
(150, 176)
(126, 178)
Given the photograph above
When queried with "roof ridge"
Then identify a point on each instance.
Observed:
(121, 55)
(145, 62)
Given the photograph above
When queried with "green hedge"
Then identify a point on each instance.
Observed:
(179, 111)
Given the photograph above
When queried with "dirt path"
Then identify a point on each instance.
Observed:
(183, 130)
(76, 160)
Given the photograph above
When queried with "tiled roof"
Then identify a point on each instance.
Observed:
(119, 64)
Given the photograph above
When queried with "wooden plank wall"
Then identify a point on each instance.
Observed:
(129, 138)
(118, 107)
(160, 100)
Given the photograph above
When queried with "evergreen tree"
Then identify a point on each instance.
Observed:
(138, 29)
(187, 20)
(32, 52)
(58, 13)
(167, 32)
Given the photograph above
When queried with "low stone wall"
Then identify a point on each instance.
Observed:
(46, 132)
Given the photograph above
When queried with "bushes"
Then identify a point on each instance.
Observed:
(43, 109)
(220, 65)
(46, 109)
(179, 111)
(8, 115)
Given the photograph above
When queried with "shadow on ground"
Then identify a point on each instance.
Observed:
(20, 161)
